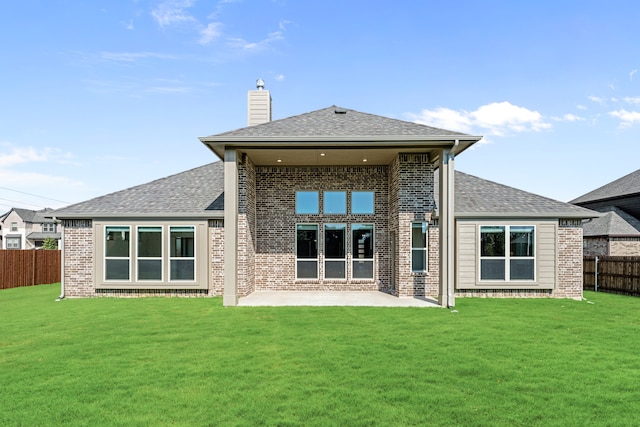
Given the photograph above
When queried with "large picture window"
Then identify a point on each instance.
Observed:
(419, 246)
(507, 253)
(362, 251)
(335, 202)
(307, 202)
(117, 253)
(335, 253)
(307, 251)
(362, 202)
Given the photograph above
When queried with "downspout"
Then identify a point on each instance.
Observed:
(61, 297)
(450, 189)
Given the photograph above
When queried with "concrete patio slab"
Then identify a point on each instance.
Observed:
(312, 298)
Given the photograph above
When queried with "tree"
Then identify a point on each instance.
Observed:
(50, 243)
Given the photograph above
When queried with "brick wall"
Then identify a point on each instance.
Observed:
(597, 246)
(216, 253)
(276, 221)
(570, 260)
(246, 225)
(78, 258)
(624, 246)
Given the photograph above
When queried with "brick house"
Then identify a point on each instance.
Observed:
(617, 231)
(332, 200)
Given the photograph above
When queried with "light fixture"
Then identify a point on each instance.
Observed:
(322, 154)
(364, 160)
(279, 160)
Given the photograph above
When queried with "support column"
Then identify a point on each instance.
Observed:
(446, 225)
(230, 296)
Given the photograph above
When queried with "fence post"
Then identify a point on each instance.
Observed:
(596, 285)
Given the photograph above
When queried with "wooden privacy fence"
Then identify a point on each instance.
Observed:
(28, 267)
(615, 274)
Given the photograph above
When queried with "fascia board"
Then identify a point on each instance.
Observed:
(138, 215)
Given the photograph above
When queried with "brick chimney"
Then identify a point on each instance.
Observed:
(259, 105)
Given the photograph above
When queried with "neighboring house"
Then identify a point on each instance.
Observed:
(27, 229)
(617, 231)
(332, 200)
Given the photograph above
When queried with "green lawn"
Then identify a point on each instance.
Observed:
(186, 362)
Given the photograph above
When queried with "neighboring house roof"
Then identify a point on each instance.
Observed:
(196, 193)
(614, 222)
(31, 216)
(626, 186)
(477, 197)
(41, 236)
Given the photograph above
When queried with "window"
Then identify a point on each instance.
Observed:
(150, 253)
(182, 253)
(419, 246)
(48, 227)
(362, 251)
(307, 202)
(335, 254)
(306, 251)
(362, 202)
(335, 202)
(117, 253)
(13, 242)
(498, 264)
(14, 226)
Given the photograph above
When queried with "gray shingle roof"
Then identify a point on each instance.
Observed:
(614, 222)
(36, 235)
(193, 193)
(627, 185)
(476, 197)
(326, 123)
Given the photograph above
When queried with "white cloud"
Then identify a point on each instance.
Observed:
(172, 12)
(569, 118)
(627, 118)
(596, 99)
(18, 155)
(632, 73)
(498, 118)
(279, 77)
(581, 107)
(211, 32)
(632, 99)
(282, 24)
(445, 118)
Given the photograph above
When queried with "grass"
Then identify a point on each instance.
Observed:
(186, 362)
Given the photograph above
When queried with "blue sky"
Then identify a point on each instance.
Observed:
(97, 96)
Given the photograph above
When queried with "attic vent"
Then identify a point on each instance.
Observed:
(340, 111)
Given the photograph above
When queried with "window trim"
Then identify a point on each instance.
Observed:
(139, 258)
(17, 242)
(316, 259)
(425, 226)
(324, 202)
(106, 258)
(373, 202)
(48, 227)
(182, 258)
(507, 258)
(14, 226)
(201, 241)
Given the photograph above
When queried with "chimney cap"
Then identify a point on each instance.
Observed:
(260, 84)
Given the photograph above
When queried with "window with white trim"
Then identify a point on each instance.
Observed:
(335, 251)
(362, 251)
(117, 253)
(306, 251)
(14, 226)
(419, 246)
(334, 202)
(507, 253)
(150, 250)
(48, 227)
(182, 261)
(13, 242)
